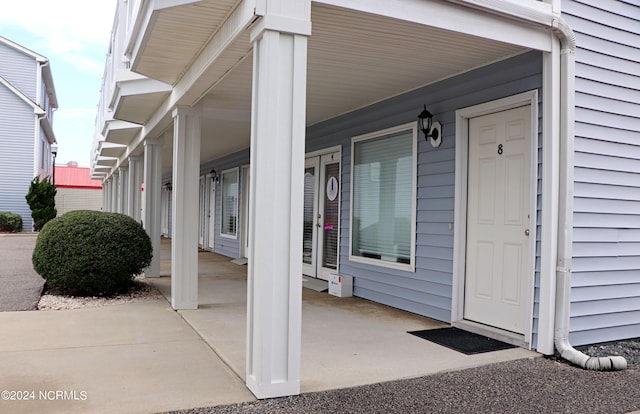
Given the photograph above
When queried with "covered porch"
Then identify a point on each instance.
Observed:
(259, 86)
(346, 342)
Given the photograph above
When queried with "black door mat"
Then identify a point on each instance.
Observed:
(462, 341)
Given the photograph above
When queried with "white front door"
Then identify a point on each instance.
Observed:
(321, 215)
(498, 213)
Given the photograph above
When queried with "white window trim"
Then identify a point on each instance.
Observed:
(222, 234)
(411, 267)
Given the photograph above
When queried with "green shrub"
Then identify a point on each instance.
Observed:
(91, 253)
(42, 201)
(10, 222)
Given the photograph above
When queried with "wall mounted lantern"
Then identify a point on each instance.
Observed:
(215, 178)
(430, 129)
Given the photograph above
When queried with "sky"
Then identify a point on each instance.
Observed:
(74, 35)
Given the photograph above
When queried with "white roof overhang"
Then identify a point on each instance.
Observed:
(136, 97)
(120, 132)
(359, 53)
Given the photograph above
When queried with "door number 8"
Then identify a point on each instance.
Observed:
(500, 150)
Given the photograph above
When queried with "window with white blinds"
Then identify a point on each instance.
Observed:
(229, 224)
(383, 198)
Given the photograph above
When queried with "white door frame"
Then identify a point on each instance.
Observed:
(321, 272)
(244, 222)
(460, 213)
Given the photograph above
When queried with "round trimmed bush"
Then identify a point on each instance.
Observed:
(91, 253)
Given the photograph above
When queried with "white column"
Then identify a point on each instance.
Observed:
(184, 241)
(134, 200)
(274, 297)
(152, 189)
(123, 192)
(106, 195)
(114, 192)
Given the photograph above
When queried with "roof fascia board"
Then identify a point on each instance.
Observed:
(462, 16)
(36, 108)
(23, 49)
(45, 124)
(49, 85)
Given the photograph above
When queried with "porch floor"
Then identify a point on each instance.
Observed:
(346, 342)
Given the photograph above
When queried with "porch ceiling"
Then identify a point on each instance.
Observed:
(176, 36)
(354, 59)
(138, 99)
(120, 132)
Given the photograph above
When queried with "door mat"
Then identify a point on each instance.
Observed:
(466, 342)
(315, 284)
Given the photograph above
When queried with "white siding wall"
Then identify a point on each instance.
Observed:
(20, 70)
(70, 199)
(606, 264)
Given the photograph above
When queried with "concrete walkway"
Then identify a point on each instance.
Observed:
(133, 358)
(20, 285)
(346, 342)
(146, 358)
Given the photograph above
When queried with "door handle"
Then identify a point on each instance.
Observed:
(526, 232)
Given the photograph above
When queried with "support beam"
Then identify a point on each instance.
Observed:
(274, 297)
(152, 209)
(185, 181)
(134, 200)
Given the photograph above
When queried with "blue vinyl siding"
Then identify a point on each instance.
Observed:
(427, 291)
(606, 263)
(227, 246)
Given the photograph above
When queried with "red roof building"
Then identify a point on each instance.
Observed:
(75, 177)
(76, 189)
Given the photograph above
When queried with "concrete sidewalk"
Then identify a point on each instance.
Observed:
(20, 285)
(133, 358)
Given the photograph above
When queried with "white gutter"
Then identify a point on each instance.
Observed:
(515, 10)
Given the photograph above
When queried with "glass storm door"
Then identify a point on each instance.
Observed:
(212, 212)
(202, 212)
(321, 215)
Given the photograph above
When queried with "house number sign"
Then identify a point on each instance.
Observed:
(500, 150)
(332, 188)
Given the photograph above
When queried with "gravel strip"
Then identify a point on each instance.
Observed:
(140, 291)
(534, 385)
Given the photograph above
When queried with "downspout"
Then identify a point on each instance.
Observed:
(513, 10)
(565, 210)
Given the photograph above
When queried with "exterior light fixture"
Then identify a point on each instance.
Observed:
(430, 129)
(215, 178)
